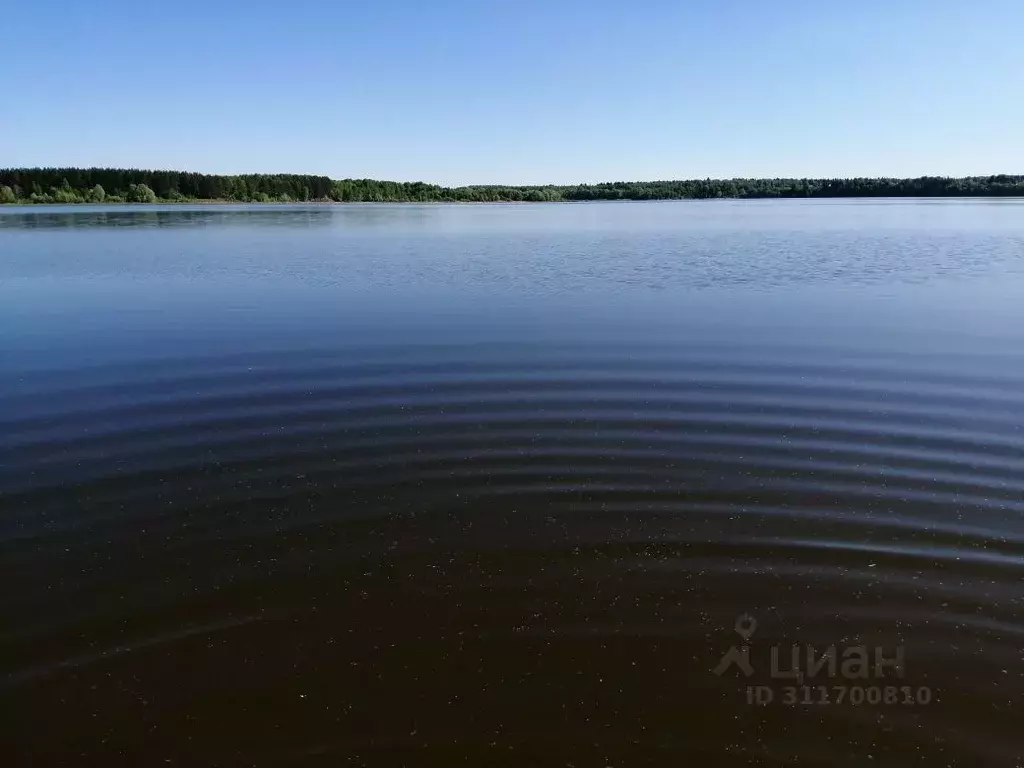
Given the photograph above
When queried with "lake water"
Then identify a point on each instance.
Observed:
(513, 484)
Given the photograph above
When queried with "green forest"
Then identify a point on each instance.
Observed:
(114, 185)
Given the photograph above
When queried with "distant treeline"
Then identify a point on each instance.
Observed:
(94, 185)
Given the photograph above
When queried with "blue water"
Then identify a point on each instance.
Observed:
(430, 484)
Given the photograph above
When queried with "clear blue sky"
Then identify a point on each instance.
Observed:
(522, 91)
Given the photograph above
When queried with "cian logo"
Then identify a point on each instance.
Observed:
(739, 657)
(805, 662)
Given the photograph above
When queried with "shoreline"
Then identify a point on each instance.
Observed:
(72, 186)
(225, 202)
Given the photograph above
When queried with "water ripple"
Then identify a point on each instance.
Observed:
(521, 524)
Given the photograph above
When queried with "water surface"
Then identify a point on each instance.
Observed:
(492, 484)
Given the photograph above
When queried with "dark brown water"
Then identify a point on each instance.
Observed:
(513, 485)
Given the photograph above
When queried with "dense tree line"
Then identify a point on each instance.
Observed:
(69, 185)
(80, 185)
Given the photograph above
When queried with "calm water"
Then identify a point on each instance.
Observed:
(488, 485)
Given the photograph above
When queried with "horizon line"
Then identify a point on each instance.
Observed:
(695, 179)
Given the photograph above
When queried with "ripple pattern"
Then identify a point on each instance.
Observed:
(536, 544)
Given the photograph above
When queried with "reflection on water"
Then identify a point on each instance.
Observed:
(285, 519)
(155, 216)
(183, 215)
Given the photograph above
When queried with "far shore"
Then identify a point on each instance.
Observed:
(67, 186)
(325, 203)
